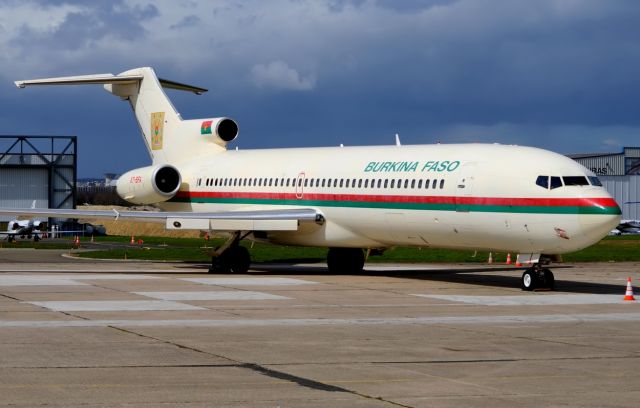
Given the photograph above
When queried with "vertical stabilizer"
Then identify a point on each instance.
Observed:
(168, 138)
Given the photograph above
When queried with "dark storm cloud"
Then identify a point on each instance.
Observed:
(550, 73)
(80, 29)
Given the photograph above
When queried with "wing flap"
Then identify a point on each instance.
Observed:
(259, 220)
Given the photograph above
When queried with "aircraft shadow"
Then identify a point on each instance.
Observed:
(480, 276)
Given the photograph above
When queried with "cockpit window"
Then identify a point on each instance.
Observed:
(543, 181)
(575, 181)
(595, 181)
(555, 182)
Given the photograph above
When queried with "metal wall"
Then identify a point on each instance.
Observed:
(37, 168)
(626, 191)
(613, 164)
(605, 165)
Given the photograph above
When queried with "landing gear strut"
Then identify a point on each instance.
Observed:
(537, 277)
(345, 260)
(231, 257)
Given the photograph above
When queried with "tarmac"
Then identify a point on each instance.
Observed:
(95, 333)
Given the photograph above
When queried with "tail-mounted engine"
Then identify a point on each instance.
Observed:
(149, 185)
(219, 130)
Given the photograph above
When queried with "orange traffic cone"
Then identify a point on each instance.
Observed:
(518, 263)
(629, 294)
(133, 241)
(490, 261)
(508, 259)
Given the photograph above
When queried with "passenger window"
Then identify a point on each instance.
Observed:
(379, 183)
(543, 181)
(555, 182)
(434, 184)
(366, 183)
(595, 181)
(353, 183)
(575, 181)
(392, 185)
(359, 183)
(346, 184)
(420, 183)
(406, 183)
(413, 184)
(306, 182)
(441, 184)
(426, 183)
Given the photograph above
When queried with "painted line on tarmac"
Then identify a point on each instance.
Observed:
(249, 281)
(64, 280)
(217, 295)
(114, 305)
(531, 300)
(420, 321)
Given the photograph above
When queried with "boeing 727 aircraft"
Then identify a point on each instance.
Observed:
(465, 196)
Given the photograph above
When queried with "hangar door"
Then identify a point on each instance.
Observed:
(19, 187)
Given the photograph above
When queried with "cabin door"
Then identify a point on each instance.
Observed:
(464, 188)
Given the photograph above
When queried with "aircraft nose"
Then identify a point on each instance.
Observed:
(599, 216)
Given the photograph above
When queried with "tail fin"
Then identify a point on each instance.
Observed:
(168, 138)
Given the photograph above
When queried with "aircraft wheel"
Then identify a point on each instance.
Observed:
(239, 259)
(529, 279)
(345, 260)
(549, 279)
(233, 260)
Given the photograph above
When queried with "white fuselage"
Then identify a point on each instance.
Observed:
(475, 196)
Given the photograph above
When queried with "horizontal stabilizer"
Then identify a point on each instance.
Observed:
(81, 79)
(107, 79)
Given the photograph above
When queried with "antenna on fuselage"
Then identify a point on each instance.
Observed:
(398, 140)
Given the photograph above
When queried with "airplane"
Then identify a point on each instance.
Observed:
(627, 227)
(22, 229)
(491, 197)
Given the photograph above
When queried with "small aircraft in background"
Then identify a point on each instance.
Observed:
(627, 227)
(23, 229)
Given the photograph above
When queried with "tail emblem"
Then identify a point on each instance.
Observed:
(157, 126)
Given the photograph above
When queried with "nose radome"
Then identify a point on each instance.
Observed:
(601, 215)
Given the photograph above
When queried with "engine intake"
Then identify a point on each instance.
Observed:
(227, 130)
(149, 185)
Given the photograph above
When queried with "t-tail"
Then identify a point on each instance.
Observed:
(169, 138)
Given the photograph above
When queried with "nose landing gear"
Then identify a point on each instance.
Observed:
(537, 277)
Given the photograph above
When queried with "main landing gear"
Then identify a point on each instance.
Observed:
(345, 260)
(231, 257)
(537, 277)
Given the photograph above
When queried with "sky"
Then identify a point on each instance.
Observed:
(563, 75)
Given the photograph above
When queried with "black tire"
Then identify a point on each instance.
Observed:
(239, 259)
(345, 260)
(529, 280)
(549, 279)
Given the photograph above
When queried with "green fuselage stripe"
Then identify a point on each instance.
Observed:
(523, 209)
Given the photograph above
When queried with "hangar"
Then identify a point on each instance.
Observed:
(37, 168)
(620, 175)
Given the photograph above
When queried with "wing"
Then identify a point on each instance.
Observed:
(258, 220)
